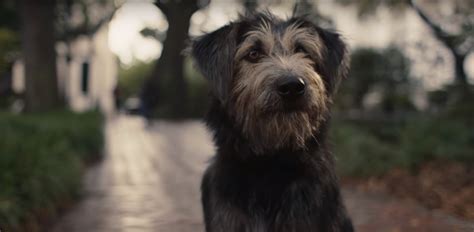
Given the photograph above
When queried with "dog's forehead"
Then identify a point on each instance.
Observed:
(274, 32)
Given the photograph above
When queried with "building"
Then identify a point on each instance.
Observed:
(86, 68)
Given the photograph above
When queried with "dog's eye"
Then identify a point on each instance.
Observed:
(300, 49)
(253, 55)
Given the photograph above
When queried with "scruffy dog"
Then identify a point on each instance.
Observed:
(272, 84)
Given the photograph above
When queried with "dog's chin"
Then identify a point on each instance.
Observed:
(286, 107)
(283, 129)
(294, 107)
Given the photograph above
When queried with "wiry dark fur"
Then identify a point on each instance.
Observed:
(282, 190)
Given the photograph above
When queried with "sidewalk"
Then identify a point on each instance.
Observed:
(150, 177)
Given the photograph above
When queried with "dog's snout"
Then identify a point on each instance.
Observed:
(291, 87)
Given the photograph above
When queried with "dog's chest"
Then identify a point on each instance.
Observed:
(271, 189)
(271, 197)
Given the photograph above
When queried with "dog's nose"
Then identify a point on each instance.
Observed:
(291, 87)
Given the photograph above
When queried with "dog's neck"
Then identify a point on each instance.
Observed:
(230, 141)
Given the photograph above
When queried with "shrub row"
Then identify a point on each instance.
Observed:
(363, 150)
(41, 160)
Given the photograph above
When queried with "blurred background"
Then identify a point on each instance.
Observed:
(100, 112)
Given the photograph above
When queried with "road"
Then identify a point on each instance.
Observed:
(149, 181)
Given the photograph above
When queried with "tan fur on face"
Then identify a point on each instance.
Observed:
(296, 35)
(256, 105)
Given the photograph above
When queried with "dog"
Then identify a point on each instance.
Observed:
(272, 84)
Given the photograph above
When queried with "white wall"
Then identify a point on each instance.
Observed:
(102, 72)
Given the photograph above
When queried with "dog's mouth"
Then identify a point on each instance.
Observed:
(296, 105)
(288, 127)
(286, 107)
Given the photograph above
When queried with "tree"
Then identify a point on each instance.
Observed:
(454, 30)
(166, 85)
(460, 42)
(41, 29)
(38, 41)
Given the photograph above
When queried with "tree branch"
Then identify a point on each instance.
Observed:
(442, 35)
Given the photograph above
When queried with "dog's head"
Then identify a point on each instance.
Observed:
(275, 78)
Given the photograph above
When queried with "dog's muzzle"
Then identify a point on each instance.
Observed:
(290, 87)
(291, 90)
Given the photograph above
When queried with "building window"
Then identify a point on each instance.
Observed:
(85, 77)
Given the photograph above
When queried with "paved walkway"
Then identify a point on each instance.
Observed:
(149, 181)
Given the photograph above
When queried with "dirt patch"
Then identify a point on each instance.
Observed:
(436, 185)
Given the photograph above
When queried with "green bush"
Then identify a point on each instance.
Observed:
(363, 150)
(436, 139)
(131, 79)
(41, 160)
(385, 73)
(359, 153)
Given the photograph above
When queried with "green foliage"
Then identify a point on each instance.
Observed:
(436, 139)
(360, 153)
(131, 79)
(386, 72)
(9, 15)
(365, 70)
(363, 150)
(452, 98)
(41, 160)
(9, 44)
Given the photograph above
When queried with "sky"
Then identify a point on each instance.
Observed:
(380, 31)
(124, 32)
(125, 39)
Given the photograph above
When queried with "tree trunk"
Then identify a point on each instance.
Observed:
(39, 55)
(171, 64)
(461, 76)
(462, 90)
(167, 87)
(449, 41)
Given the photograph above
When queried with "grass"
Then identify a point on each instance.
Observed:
(41, 162)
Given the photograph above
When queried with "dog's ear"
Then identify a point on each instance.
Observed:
(214, 54)
(334, 65)
(334, 60)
